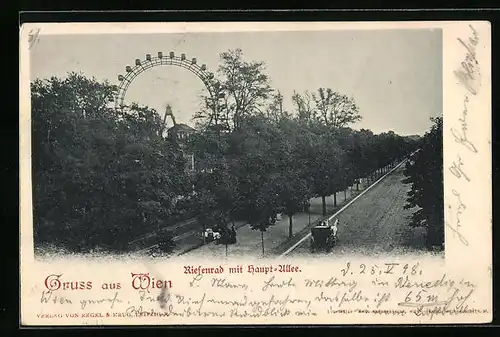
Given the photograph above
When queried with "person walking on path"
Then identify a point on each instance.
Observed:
(233, 234)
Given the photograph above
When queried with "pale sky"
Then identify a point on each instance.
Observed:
(395, 76)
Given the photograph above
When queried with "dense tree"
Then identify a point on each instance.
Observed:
(294, 186)
(352, 155)
(294, 192)
(335, 110)
(325, 114)
(263, 209)
(275, 112)
(215, 197)
(425, 172)
(244, 87)
(213, 114)
(304, 106)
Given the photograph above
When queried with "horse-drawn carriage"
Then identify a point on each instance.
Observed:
(221, 236)
(323, 237)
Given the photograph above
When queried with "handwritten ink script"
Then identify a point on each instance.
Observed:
(468, 75)
(353, 289)
(457, 169)
(455, 216)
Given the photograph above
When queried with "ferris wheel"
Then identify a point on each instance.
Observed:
(149, 62)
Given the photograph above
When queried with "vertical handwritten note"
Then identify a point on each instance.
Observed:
(467, 150)
(468, 74)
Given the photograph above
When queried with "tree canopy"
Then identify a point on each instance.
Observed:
(103, 176)
(425, 172)
(100, 177)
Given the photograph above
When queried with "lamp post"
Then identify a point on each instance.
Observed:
(309, 212)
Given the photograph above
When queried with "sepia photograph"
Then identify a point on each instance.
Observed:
(247, 144)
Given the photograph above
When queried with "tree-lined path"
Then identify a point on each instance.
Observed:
(249, 241)
(376, 223)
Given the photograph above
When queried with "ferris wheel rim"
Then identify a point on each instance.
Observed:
(150, 62)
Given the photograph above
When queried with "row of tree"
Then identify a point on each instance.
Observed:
(277, 166)
(102, 176)
(256, 159)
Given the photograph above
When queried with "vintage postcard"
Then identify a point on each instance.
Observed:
(255, 173)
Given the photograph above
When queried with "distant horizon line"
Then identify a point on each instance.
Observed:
(355, 129)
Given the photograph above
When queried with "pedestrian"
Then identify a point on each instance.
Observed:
(233, 234)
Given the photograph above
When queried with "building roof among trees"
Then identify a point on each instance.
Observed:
(182, 127)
